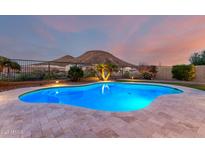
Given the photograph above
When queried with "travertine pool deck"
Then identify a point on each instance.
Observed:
(178, 115)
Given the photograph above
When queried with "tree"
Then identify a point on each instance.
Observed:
(106, 70)
(13, 65)
(147, 71)
(7, 63)
(198, 58)
(184, 72)
(3, 61)
(75, 73)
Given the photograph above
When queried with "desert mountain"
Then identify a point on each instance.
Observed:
(66, 58)
(94, 57)
(62, 61)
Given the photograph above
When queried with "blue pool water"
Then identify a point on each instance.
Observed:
(111, 96)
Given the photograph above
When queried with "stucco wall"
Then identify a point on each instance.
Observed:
(200, 74)
(164, 73)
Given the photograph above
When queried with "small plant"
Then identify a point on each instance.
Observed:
(184, 72)
(90, 73)
(126, 75)
(32, 76)
(38, 74)
(75, 73)
(153, 70)
(147, 71)
(147, 75)
(50, 76)
(105, 70)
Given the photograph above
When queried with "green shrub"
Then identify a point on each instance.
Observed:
(27, 77)
(127, 75)
(147, 75)
(31, 76)
(198, 58)
(147, 70)
(38, 74)
(50, 76)
(184, 72)
(153, 70)
(75, 73)
(35, 75)
(55, 75)
(90, 73)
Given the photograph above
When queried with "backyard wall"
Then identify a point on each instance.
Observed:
(200, 74)
(165, 73)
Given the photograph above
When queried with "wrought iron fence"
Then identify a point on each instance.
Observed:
(45, 70)
(36, 70)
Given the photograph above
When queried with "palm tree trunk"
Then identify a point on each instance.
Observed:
(8, 72)
(103, 74)
(107, 77)
(1, 68)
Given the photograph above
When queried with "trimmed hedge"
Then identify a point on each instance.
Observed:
(184, 72)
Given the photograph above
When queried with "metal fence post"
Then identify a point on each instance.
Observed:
(49, 71)
(122, 71)
(36, 69)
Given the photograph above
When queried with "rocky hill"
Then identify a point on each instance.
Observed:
(94, 57)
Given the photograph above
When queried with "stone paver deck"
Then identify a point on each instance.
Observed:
(181, 115)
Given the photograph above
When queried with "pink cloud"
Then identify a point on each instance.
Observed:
(169, 42)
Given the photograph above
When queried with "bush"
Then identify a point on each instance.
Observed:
(50, 76)
(54, 75)
(39, 74)
(75, 73)
(147, 75)
(153, 70)
(184, 72)
(148, 70)
(90, 73)
(28, 77)
(127, 75)
(35, 75)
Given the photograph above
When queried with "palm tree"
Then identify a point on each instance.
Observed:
(3, 62)
(101, 69)
(7, 63)
(106, 70)
(13, 65)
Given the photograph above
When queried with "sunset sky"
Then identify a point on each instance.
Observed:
(164, 40)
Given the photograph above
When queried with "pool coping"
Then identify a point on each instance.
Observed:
(164, 116)
(186, 90)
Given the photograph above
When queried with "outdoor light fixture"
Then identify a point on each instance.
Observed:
(57, 82)
(132, 77)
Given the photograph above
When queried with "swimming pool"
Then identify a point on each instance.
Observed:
(109, 96)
